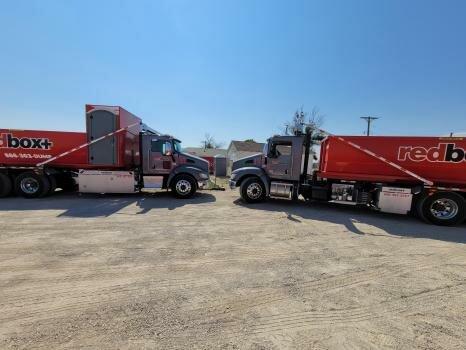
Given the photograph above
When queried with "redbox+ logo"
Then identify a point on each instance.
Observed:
(444, 152)
(9, 141)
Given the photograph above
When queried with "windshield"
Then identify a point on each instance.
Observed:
(177, 146)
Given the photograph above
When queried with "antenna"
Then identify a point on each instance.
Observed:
(369, 121)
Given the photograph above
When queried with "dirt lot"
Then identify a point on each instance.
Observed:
(151, 272)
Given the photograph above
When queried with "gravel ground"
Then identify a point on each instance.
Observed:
(151, 272)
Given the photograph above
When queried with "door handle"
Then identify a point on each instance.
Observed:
(148, 159)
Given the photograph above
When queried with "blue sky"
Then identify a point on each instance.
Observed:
(236, 69)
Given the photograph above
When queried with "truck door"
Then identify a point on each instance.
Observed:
(279, 162)
(160, 157)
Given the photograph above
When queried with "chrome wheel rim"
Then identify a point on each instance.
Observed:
(183, 187)
(444, 209)
(29, 185)
(254, 190)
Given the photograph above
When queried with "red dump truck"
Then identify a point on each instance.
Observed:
(423, 175)
(116, 154)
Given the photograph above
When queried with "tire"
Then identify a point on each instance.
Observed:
(6, 185)
(442, 208)
(183, 186)
(253, 190)
(32, 185)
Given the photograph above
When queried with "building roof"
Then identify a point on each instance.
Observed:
(205, 152)
(247, 146)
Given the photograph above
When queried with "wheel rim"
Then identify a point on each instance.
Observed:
(444, 209)
(183, 187)
(30, 185)
(254, 190)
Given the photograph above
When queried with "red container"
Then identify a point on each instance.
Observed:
(120, 150)
(440, 160)
(30, 147)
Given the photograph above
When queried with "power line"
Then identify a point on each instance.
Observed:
(369, 121)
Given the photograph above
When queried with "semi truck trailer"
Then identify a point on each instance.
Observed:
(118, 153)
(421, 175)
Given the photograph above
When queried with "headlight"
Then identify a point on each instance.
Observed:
(203, 176)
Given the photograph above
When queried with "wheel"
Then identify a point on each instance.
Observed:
(183, 186)
(442, 208)
(253, 190)
(32, 185)
(6, 185)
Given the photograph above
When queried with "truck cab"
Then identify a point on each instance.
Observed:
(165, 165)
(278, 171)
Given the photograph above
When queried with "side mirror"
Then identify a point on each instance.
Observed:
(167, 149)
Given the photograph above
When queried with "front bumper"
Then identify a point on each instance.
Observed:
(232, 184)
(201, 184)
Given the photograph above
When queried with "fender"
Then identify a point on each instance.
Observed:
(198, 174)
(240, 174)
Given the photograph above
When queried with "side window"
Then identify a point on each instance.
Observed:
(280, 149)
(284, 150)
(156, 146)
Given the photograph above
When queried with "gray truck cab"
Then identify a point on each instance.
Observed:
(278, 171)
(165, 165)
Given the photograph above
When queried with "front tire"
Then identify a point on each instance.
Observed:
(183, 186)
(442, 208)
(32, 185)
(253, 190)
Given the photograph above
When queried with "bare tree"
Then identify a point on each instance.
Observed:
(209, 142)
(301, 120)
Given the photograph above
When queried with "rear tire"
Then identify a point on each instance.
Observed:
(32, 185)
(183, 186)
(6, 185)
(442, 208)
(253, 190)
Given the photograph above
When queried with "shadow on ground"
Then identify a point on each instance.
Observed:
(354, 219)
(96, 205)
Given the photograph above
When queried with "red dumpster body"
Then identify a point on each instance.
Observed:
(30, 147)
(124, 144)
(27, 148)
(441, 160)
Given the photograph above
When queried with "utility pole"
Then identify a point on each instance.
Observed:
(369, 121)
